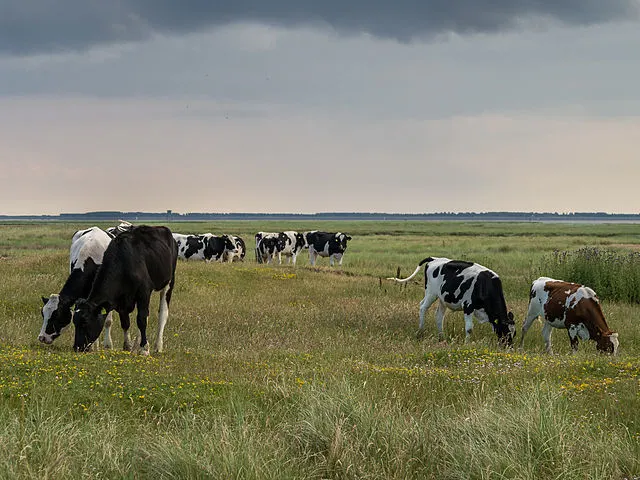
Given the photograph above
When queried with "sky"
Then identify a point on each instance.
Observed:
(305, 106)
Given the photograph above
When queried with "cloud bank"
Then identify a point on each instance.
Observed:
(28, 27)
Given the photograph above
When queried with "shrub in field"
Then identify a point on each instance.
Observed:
(613, 275)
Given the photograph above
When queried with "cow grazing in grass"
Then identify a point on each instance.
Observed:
(268, 246)
(85, 256)
(332, 245)
(470, 287)
(573, 307)
(205, 246)
(241, 250)
(136, 263)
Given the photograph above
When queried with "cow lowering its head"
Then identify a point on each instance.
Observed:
(466, 286)
(85, 256)
(332, 245)
(573, 307)
(136, 263)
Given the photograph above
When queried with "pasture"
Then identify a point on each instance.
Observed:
(279, 372)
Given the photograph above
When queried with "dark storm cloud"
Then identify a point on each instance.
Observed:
(44, 26)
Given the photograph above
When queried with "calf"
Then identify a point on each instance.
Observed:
(206, 246)
(332, 245)
(573, 307)
(268, 245)
(466, 286)
(85, 256)
(136, 263)
(241, 250)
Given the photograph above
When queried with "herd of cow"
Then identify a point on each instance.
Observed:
(117, 269)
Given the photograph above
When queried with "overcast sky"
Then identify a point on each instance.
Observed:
(307, 106)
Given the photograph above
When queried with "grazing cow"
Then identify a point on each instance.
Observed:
(332, 245)
(241, 250)
(268, 245)
(573, 307)
(466, 286)
(135, 264)
(206, 246)
(85, 256)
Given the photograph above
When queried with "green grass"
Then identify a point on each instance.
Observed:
(281, 372)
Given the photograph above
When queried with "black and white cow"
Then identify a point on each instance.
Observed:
(136, 263)
(85, 256)
(205, 246)
(241, 250)
(466, 286)
(332, 245)
(268, 246)
(292, 244)
(570, 306)
(118, 229)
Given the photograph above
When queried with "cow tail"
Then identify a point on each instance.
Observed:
(415, 272)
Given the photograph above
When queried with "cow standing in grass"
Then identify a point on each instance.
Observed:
(570, 306)
(206, 246)
(85, 257)
(239, 253)
(466, 286)
(136, 263)
(323, 244)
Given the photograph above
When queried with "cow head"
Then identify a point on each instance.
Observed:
(229, 244)
(56, 316)
(88, 319)
(608, 343)
(342, 239)
(506, 331)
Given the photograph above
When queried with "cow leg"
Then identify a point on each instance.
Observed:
(107, 330)
(531, 316)
(293, 259)
(573, 338)
(440, 311)
(279, 258)
(468, 326)
(546, 334)
(163, 315)
(142, 317)
(312, 257)
(331, 260)
(125, 323)
(340, 259)
(426, 302)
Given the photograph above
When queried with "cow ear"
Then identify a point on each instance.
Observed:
(348, 237)
(44, 300)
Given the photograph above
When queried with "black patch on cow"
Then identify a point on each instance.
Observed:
(194, 244)
(436, 272)
(451, 271)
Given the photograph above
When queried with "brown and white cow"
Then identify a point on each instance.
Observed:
(573, 307)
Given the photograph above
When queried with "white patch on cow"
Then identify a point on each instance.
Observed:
(91, 244)
(616, 343)
(163, 315)
(47, 310)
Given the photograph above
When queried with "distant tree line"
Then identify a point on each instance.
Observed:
(110, 216)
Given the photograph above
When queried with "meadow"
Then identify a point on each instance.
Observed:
(308, 373)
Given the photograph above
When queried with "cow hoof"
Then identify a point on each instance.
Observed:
(144, 350)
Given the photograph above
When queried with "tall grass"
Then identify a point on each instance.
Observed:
(612, 274)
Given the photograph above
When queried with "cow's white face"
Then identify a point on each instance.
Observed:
(55, 319)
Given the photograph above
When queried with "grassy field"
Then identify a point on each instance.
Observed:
(310, 373)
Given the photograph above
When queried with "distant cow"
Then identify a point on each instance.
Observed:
(118, 229)
(573, 307)
(206, 246)
(241, 250)
(268, 246)
(85, 256)
(136, 263)
(466, 286)
(293, 243)
(332, 245)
